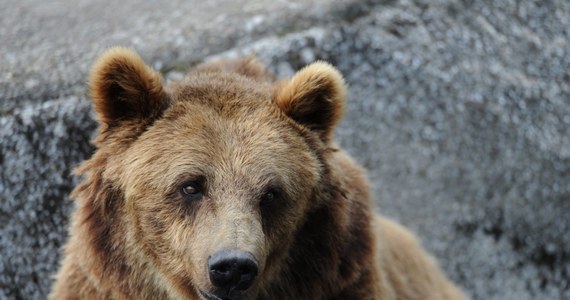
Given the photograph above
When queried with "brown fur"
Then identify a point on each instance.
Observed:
(229, 128)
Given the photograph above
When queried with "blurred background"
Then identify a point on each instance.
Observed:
(459, 110)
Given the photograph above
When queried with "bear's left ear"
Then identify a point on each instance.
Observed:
(314, 98)
(123, 88)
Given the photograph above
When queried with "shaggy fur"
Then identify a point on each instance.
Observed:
(266, 178)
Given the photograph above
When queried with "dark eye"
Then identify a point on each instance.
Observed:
(271, 205)
(268, 197)
(191, 191)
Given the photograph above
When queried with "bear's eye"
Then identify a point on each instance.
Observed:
(270, 206)
(269, 197)
(191, 191)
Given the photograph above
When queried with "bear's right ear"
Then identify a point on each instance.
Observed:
(123, 89)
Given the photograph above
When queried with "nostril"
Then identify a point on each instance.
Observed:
(232, 269)
(246, 269)
(221, 268)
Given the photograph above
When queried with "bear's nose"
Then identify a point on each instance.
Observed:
(232, 270)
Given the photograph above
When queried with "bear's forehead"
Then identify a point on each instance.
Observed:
(232, 151)
(228, 130)
(223, 135)
(227, 108)
(222, 90)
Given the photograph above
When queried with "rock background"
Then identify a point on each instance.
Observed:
(458, 109)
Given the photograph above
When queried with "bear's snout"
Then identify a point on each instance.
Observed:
(232, 270)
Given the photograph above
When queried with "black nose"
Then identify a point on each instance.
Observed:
(232, 270)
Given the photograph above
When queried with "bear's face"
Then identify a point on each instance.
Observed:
(217, 172)
(200, 181)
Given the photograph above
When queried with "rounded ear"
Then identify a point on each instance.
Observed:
(123, 88)
(314, 97)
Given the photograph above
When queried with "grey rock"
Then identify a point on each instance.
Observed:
(48, 47)
(41, 144)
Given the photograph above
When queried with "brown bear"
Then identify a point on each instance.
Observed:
(228, 185)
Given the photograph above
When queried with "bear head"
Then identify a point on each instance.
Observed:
(205, 182)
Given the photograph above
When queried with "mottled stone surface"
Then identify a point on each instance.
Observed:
(40, 145)
(458, 109)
